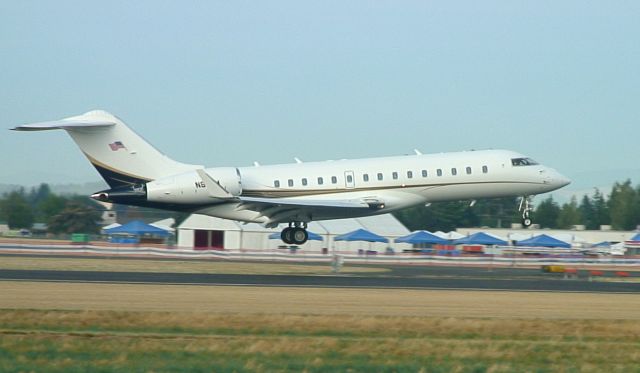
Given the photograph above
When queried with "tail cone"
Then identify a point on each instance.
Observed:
(124, 194)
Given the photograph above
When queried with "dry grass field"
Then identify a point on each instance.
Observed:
(318, 301)
(66, 327)
(32, 340)
(81, 327)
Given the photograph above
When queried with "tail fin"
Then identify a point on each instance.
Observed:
(120, 155)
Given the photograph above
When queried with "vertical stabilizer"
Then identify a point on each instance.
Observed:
(120, 155)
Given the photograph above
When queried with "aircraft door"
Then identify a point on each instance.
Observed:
(349, 180)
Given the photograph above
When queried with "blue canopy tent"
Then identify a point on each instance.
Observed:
(135, 228)
(421, 237)
(543, 241)
(635, 238)
(479, 238)
(360, 235)
(312, 236)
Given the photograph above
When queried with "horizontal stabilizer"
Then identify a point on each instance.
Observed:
(68, 123)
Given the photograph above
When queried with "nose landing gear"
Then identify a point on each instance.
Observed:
(295, 234)
(526, 208)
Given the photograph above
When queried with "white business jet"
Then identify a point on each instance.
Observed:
(296, 193)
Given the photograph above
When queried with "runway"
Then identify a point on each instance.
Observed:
(400, 278)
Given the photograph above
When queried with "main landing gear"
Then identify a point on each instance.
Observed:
(295, 234)
(526, 208)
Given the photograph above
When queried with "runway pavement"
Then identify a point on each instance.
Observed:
(400, 277)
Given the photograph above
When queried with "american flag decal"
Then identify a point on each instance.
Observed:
(117, 145)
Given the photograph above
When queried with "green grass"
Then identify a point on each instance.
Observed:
(107, 341)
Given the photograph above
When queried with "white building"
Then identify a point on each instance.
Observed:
(201, 232)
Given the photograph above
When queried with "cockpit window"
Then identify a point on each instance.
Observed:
(523, 162)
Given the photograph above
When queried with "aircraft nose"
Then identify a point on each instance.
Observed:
(562, 180)
(557, 180)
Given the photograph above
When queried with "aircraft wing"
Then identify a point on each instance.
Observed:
(282, 210)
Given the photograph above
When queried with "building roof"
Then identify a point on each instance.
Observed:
(166, 224)
(385, 225)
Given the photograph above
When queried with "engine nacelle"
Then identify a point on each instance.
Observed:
(194, 187)
(190, 188)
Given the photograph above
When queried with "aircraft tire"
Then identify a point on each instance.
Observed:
(526, 222)
(299, 236)
(287, 236)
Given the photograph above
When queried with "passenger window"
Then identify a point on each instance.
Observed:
(380, 176)
(485, 169)
(468, 170)
(424, 173)
(304, 181)
(454, 171)
(320, 181)
(409, 174)
(276, 183)
(334, 180)
(439, 172)
(395, 175)
(349, 179)
(290, 182)
(365, 177)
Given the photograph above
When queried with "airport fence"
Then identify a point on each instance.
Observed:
(300, 256)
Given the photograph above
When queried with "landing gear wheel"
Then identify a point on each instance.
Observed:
(287, 235)
(299, 236)
(526, 208)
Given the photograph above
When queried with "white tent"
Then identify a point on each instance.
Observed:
(453, 235)
(114, 225)
(166, 224)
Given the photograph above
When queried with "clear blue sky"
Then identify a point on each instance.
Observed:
(227, 83)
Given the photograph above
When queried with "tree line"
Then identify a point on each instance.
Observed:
(62, 214)
(620, 209)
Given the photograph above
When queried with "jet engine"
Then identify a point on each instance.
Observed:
(204, 186)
